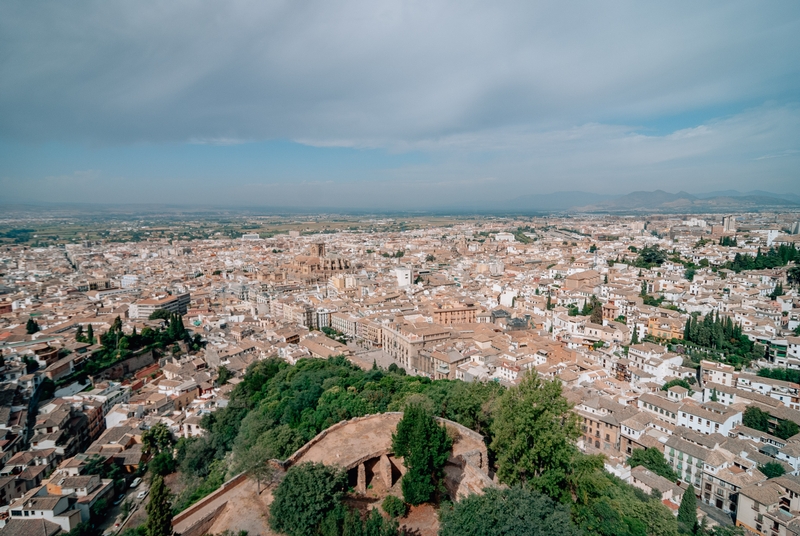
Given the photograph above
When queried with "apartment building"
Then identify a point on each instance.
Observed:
(709, 417)
(142, 309)
(771, 508)
(449, 314)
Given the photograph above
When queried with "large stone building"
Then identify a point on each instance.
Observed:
(142, 309)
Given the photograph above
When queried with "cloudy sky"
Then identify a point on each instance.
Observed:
(392, 104)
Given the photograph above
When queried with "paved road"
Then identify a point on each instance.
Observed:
(114, 516)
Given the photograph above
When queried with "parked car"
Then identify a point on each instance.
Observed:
(142, 494)
(136, 482)
(119, 500)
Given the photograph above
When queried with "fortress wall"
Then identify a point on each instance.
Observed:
(205, 501)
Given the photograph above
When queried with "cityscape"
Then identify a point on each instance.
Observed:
(399, 268)
(675, 341)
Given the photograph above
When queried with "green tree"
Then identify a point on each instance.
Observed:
(534, 434)
(786, 429)
(99, 509)
(425, 446)
(343, 521)
(90, 334)
(159, 509)
(255, 462)
(754, 417)
(597, 312)
(308, 492)
(31, 326)
(777, 291)
(793, 275)
(772, 469)
(47, 389)
(95, 465)
(650, 256)
(394, 506)
(223, 375)
(687, 512)
(83, 529)
(677, 381)
(515, 511)
(162, 464)
(652, 459)
(157, 439)
(160, 314)
(79, 333)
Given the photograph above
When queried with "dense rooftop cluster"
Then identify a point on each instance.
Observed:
(673, 335)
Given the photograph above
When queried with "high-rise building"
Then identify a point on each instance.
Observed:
(729, 224)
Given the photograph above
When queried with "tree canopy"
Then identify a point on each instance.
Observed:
(772, 469)
(159, 509)
(724, 335)
(652, 459)
(677, 381)
(425, 446)
(755, 417)
(31, 326)
(157, 439)
(687, 512)
(650, 256)
(534, 433)
(306, 495)
(515, 511)
(773, 258)
(531, 430)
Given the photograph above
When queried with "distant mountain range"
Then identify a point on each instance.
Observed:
(657, 201)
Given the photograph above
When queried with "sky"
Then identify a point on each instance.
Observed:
(394, 105)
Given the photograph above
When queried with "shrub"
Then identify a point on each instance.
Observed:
(394, 506)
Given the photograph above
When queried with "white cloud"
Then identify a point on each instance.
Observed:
(373, 74)
(539, 96)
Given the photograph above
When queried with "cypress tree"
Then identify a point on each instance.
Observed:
(595, 310)
(687, 513)
(778, 291)
(31, 327)
(424, 446)
(90, 334)
(159, 509)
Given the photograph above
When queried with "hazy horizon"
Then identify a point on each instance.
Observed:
(394, 105)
